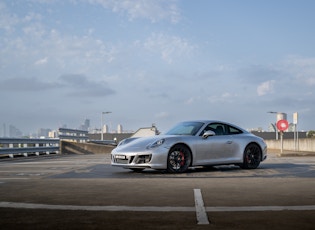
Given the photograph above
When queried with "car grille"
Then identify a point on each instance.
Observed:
(122, 159)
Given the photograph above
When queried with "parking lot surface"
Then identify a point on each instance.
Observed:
(86, 192)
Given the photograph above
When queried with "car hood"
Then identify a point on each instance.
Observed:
(143, 142)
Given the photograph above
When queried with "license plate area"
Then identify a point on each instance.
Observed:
(121, 159)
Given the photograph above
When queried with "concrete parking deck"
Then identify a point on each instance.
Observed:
(85, 192)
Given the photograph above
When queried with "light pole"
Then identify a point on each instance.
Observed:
(102, 136)
(296, 133)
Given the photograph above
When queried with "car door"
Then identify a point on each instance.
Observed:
(215, 149)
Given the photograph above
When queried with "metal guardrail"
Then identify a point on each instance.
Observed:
(26, 146)
(36, 146)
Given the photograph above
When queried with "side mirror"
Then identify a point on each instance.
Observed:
(207, 134)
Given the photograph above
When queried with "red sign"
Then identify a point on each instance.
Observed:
(282, 125)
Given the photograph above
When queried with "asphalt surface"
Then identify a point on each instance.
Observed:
(85, 192)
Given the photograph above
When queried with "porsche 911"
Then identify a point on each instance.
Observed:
(191, 144)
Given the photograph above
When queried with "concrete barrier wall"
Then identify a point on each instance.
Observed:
(304, 144)
(68, 147)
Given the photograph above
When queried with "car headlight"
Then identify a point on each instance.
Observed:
(156, 144)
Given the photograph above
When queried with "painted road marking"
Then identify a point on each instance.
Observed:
(96, 208)
(201, 214)
(156, 208)
(261, 208)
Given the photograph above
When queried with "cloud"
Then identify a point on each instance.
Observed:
(190, 101)
(303, 69)
(80, 85)
(162, 115)
(265, 88)
(170, 48)
(41, 61)
(7, 20)
(154, 10)
(21, 84)
(257, 73)
(223, 98)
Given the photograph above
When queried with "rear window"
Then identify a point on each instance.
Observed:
(233, 130)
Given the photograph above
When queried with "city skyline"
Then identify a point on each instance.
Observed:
(156, 61)
(10, 130)
(14, 131)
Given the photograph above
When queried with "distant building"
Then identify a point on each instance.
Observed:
(53, 134)
(146, 132)
(43, 132)
(4, 131)
(86, 125)
(105, 129)
(119, 129)
(14, 132)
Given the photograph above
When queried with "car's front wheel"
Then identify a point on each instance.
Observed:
(252, 156)
(179, 159)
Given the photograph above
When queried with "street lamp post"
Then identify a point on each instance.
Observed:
(276, 129)
(102, 135)
(296, 133)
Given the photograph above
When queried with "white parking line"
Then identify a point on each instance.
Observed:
(201, 214)
(199, 208)
(261, 208)
(96, 208)
(4, 204)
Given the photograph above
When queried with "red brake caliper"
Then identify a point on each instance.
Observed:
(182, 162)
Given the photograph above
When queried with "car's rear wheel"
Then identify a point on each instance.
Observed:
(179, 159)
(252, 157)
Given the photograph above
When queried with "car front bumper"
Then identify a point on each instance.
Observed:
(154, 160)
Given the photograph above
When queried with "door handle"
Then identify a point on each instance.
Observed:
(229, 142)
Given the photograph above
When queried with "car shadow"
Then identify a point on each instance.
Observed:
(266, 170)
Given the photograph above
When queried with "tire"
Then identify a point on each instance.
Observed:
(178, 159)
(252, 157)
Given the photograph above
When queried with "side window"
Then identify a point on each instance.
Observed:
(232, 130)
(218, 128)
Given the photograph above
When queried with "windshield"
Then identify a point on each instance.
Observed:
(185, 128)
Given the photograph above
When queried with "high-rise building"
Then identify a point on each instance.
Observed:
(14, 132)
(4, 134)
(105, 129)
(43, 132)
(53, 134)
(119, 128)
(86, 125)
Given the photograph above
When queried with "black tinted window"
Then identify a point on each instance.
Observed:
(217, 128)
(233, 130)
(185, 128)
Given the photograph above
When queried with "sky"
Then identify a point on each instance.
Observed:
(156, 62)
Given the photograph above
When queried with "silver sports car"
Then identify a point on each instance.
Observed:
(189, 144)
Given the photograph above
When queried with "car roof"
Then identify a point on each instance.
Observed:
(217, 121)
